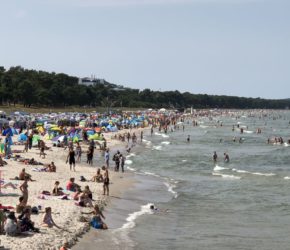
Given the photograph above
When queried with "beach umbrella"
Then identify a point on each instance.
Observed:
(55, 129)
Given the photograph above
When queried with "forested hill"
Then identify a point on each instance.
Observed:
(40, 88)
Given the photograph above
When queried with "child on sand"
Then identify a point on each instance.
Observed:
(47, 220)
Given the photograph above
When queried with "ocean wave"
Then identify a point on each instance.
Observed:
(241, 171)
(170, 187)
(165, 142)
(263, 174)
(130, 155)
(218, 168)
(131, 169)
(255, 173)
(147, 142)
(184, 160)
(157, 147)
(227, 176)
(152, 174)
(132, 217)
(128, 162)
(286, 178)
(163, 135)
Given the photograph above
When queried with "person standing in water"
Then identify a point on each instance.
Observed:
(226, 158)
(214, 157)
(188, 138)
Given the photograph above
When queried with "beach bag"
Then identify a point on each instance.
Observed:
(34, 210)
(83, 179)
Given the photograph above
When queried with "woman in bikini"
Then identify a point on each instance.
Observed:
(24, 190)
(71, 159)
(106, 182)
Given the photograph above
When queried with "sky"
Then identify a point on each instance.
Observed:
(215, 47)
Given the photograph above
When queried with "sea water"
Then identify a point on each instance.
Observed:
(243, 204)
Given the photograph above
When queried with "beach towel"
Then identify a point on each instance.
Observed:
(39, 169)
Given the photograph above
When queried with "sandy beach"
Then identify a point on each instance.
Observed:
(65, 213)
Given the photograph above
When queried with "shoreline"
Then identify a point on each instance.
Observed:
(65, 213)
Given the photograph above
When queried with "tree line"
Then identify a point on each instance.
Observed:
(40, 88)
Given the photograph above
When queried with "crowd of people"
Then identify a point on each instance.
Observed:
(14, 225)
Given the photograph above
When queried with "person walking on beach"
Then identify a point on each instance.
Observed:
(26, 145)
(116, 159)
(122, 160)
(106, 182)
(71, 159)
(128, 137)
(30, 137)
(79, 152)
(90, 154)
(141, 136)
(42, 148)
(107, 158)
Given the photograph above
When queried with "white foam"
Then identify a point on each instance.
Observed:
(248, 132)
(131, 169)
(165, 136)
(128, 162)
(256, 173)
(184, 160)
(240, 171)
(165, 142)
(262, 174)
(227, 176)
(147, 142)
(157, 147)
(132, 217)
(286, 178)
(286, 144)
(170, 189)
(152, 174)
(130, 155)
(218, 168)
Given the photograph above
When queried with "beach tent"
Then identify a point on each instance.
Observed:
(35, 140)
(55, 129)
(96, 137)
(22, 138)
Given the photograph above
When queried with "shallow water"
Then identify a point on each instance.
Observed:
(244, 204)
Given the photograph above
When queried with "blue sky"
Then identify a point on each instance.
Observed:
(222, 47)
